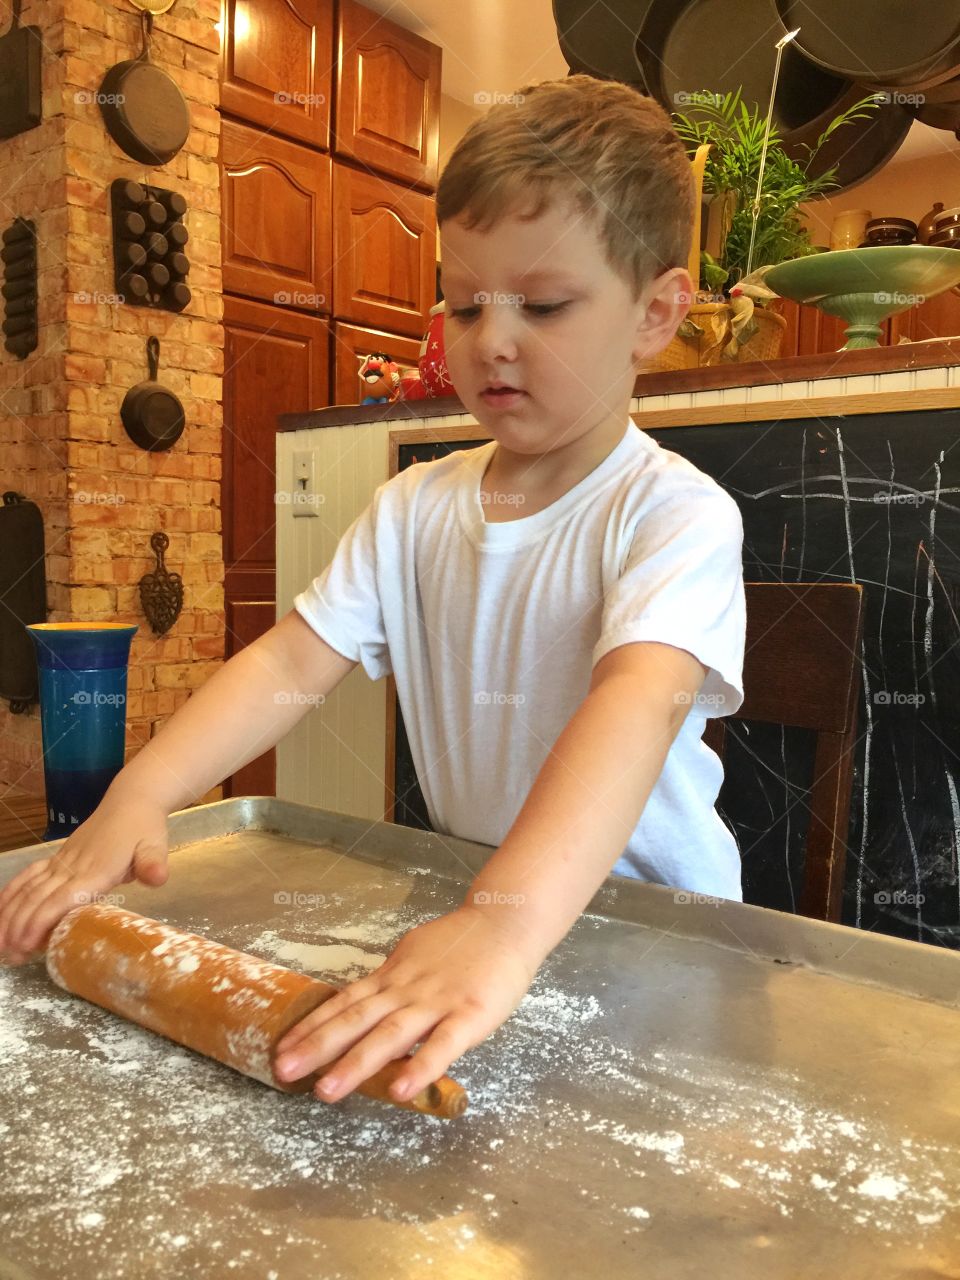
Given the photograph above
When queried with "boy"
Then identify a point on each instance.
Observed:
(561, 608)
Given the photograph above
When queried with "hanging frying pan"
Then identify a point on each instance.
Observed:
(20, 75)
(144, 111)
(882, 43)
(602, 42)
(690, 45)
(152, 415)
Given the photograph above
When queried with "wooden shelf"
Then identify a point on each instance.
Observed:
(903, 357)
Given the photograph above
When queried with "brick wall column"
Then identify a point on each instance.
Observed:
(63, 443)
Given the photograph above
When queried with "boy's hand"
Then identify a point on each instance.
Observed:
(122, 840)
(448, 983)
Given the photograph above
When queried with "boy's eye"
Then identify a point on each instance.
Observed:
(535, 308)
(546, 308)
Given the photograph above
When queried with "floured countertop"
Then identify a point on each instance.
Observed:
(655, 1107)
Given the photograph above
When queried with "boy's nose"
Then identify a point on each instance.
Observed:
(495, 334)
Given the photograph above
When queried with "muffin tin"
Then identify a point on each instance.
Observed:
(150, 265)
(19, 255)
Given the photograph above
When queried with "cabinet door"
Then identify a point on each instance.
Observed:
(276, 64)
(791, 335)
(388, 97)
(247, 619)
(276, 219)
(937, 318)
(820, 334)
(275, 361)
(385, 248)
(349, 342)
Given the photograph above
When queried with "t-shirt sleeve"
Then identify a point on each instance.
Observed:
(342, 604)
(682, 584)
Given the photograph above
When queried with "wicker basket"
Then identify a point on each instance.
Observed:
(706, 348)
(767, 342)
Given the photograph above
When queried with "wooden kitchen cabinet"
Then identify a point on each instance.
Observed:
(276, 219)
(937, 318)
(276, 66)
(348, 342)
(819, 333)
(388, 97)
(384, 246)
(278, 362)
(810, 332)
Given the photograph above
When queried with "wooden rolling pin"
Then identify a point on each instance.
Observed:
(222, 1003)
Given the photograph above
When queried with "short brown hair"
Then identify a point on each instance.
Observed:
(608, 148)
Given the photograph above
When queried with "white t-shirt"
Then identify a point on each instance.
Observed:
(491, 631)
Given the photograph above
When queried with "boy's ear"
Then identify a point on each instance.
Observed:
(664, 303)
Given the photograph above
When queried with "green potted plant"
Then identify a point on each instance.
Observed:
(724, 321)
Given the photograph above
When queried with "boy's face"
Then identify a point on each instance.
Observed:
(535, 305)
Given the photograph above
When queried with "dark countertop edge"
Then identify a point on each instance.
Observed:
(936, 353)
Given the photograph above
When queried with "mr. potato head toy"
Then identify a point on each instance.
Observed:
(379, 378)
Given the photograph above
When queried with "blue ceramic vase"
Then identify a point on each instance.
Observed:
(83, 705)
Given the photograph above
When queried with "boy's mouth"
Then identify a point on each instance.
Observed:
(499, 393)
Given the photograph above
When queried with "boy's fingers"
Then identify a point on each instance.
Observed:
(325, 1041)
(391, 1038)
(23, 908)
(449, 1039)
(53, 900)
(12, 892)
(324, 1013)
(14, 958)
(150, 866)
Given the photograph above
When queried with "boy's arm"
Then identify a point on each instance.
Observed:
(241, 711)
(244, 709)
(588, 797)
(453, 981)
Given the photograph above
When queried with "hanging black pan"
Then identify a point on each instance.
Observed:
(886, 43)
(144, 111)
(20, 76)
(690, 45)
(152, 414)
(599, 39)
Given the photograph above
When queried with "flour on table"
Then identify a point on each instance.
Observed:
(334, 958)
(105, 1124)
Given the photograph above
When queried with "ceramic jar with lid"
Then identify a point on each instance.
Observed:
(926, 227)
(890, 231)
(849, 228)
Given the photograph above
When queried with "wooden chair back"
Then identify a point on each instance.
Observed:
(802, 668)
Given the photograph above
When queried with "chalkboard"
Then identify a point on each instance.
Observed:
(870, 499)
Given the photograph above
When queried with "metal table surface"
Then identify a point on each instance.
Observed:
(691, 1088)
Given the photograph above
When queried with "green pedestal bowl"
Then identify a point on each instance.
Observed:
(864, 286)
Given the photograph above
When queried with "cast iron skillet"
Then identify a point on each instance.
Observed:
(599, 39)
(144, 111)
(690, 45)
(886, 43)
(152, 415)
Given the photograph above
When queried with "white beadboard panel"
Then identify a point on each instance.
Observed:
(825, 387)
(863, 384)
(702, 398)
(334, 756)
(925, 378)
(793, 390)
